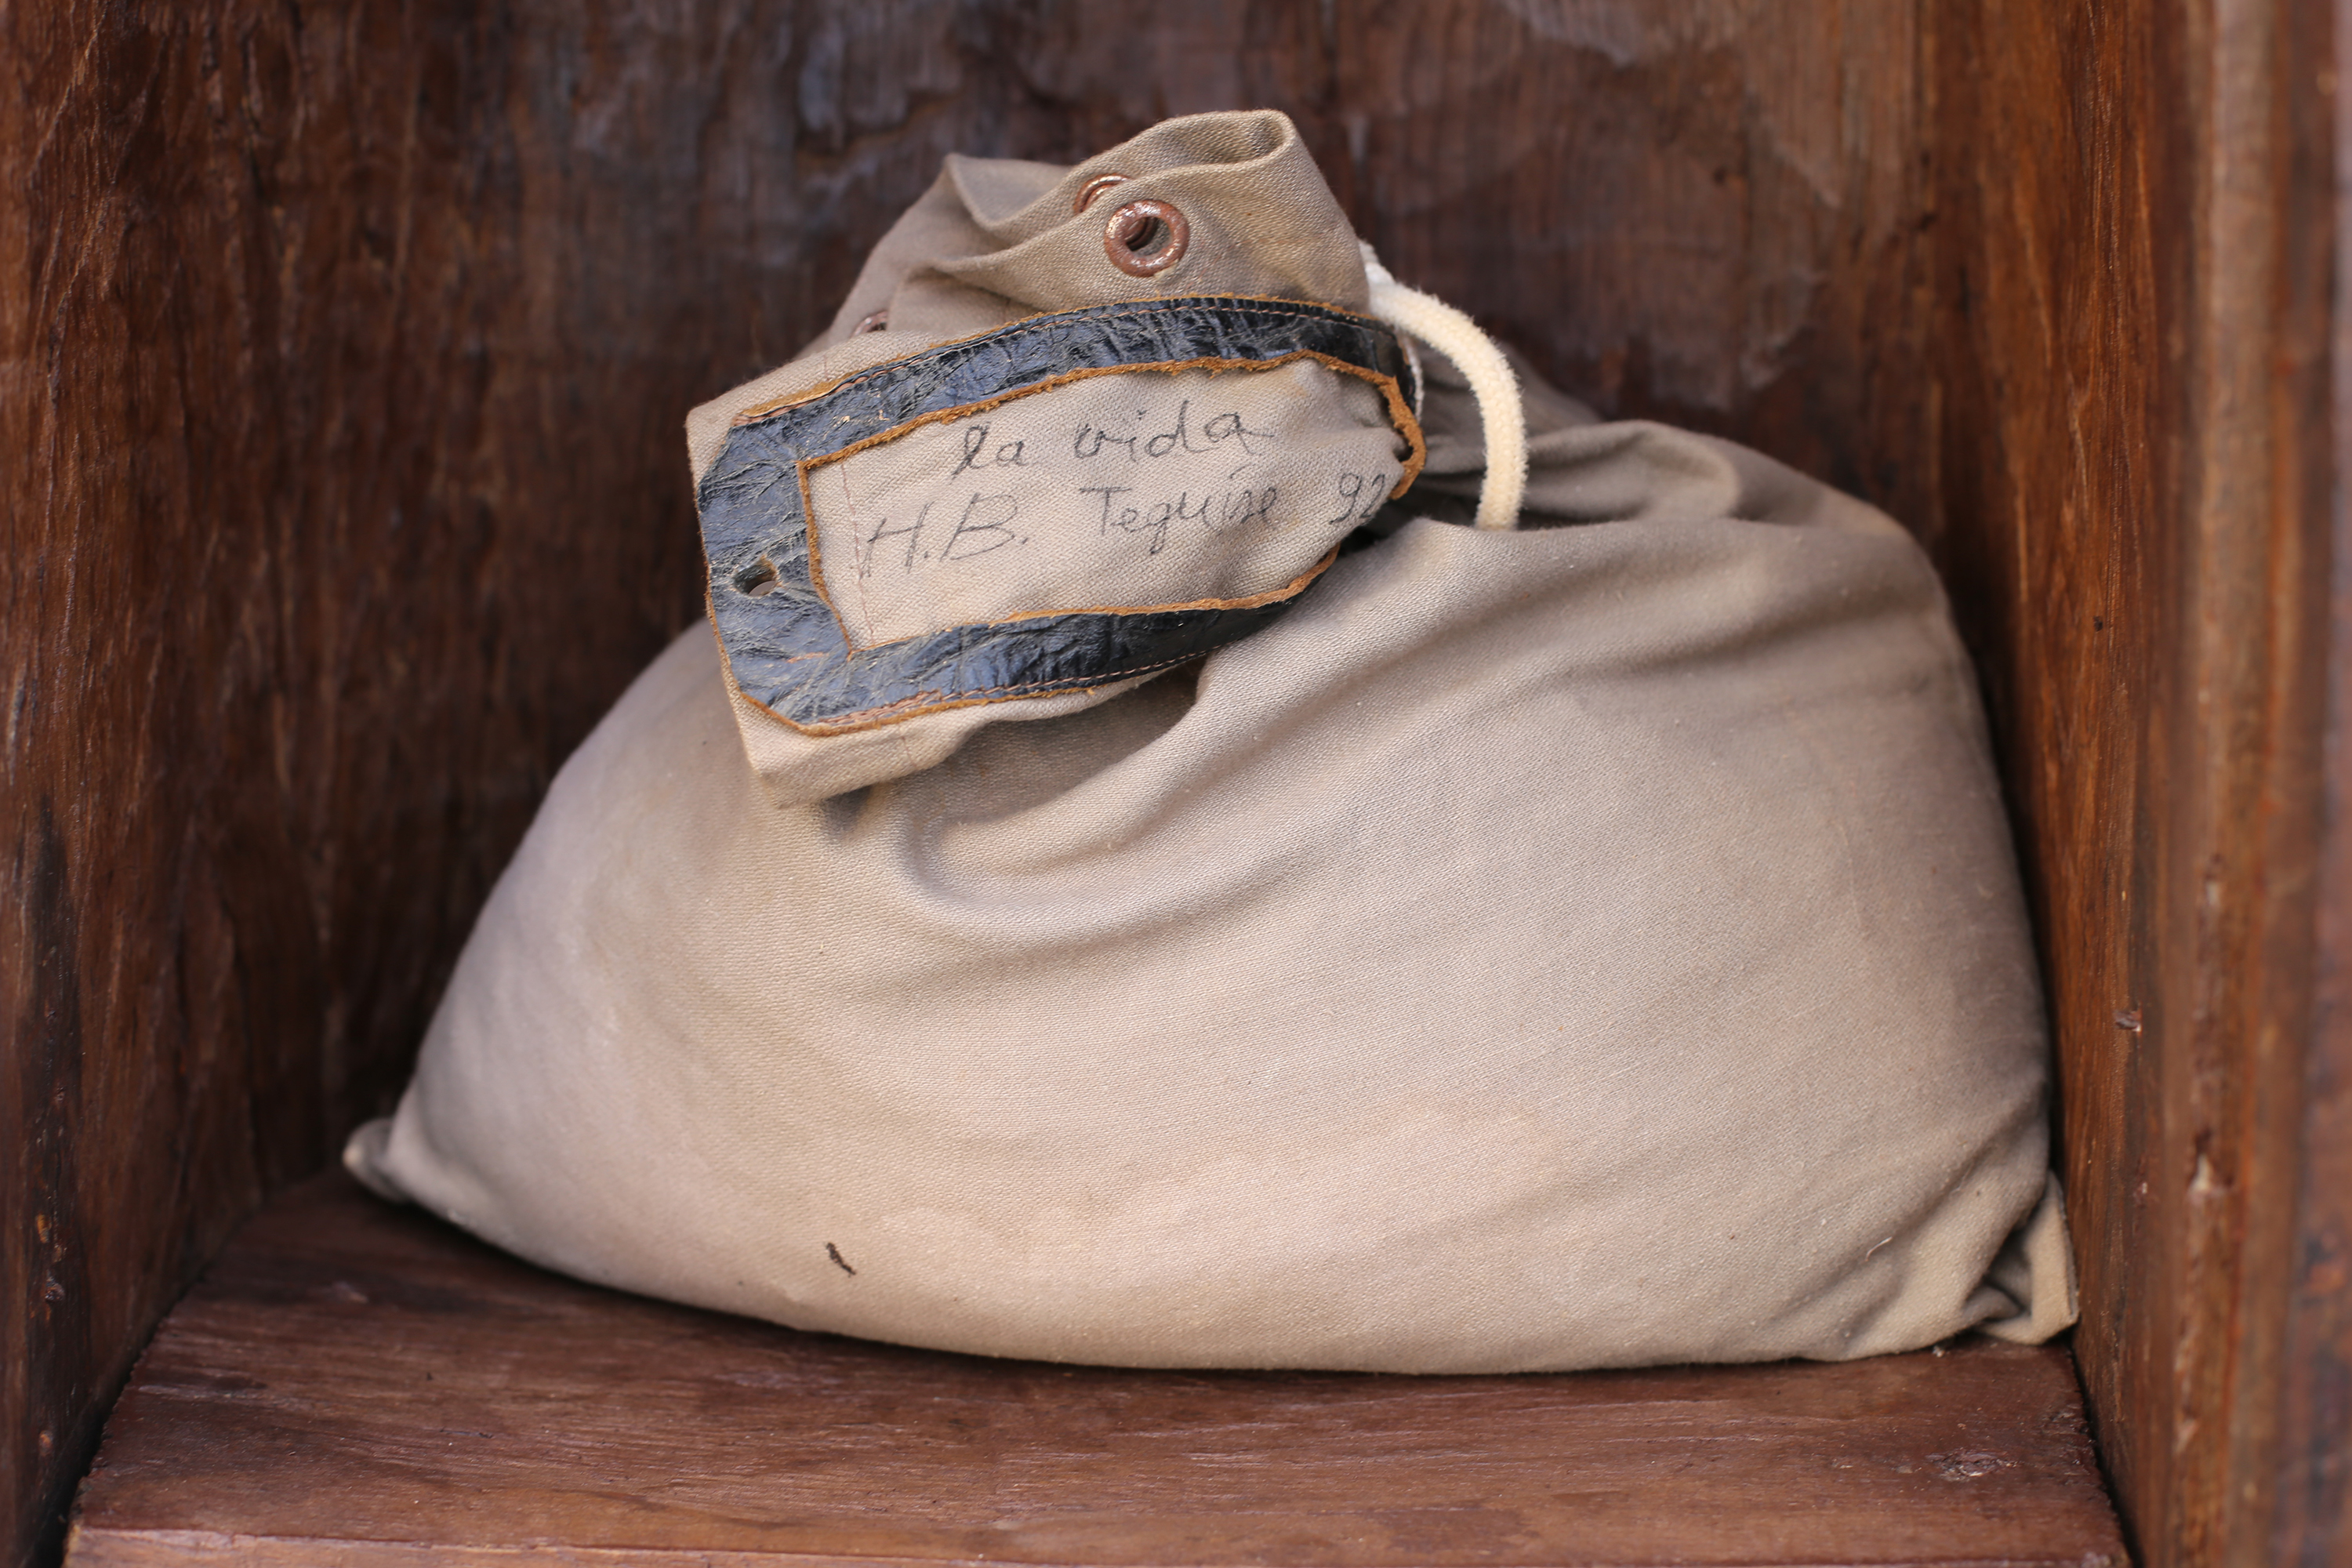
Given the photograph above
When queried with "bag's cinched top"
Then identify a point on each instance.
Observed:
(1018, 475)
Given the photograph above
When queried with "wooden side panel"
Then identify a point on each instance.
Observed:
(2061, 184)
(330, 526)
(2135, 293)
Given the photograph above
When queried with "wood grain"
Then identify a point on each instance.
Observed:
(2310, 1517)
(345, 348)
(2313, 1522)
(2061, 387)
(2135, 299)
(353, 1376)
(299, 613)
(346, 351)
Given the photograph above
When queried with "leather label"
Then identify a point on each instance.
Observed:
(1059, 504)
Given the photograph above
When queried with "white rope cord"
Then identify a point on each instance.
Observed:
(1457, 337)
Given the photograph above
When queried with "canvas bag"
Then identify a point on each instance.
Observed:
(1593, 943)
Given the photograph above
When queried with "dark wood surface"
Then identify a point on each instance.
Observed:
(2061, 287)
(346, 352)
(341, 494)
(352, 1384)
(346, 348)
(2139, 477)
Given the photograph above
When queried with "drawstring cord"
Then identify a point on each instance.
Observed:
(1457, 337)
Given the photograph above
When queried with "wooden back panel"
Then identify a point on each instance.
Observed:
(347, 348)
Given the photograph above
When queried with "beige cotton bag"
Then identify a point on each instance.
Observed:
(1594, 942)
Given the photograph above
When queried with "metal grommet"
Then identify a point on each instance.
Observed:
(1146, 237)
(1095, 188)
(877, 321)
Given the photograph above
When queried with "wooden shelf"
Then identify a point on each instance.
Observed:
(355, 1386)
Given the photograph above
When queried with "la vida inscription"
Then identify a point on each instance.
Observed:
(1209, 489)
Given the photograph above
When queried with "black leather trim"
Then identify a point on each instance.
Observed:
(784, 646)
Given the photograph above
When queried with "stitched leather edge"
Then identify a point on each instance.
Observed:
(753, 413)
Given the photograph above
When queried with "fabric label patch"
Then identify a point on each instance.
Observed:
(1142, 489)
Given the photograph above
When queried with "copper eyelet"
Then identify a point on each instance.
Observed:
(1144, 239)
(878, 321)
(1095, 188)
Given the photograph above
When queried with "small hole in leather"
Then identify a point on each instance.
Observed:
(878, 321)
(1146, 237)
(758, 580)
